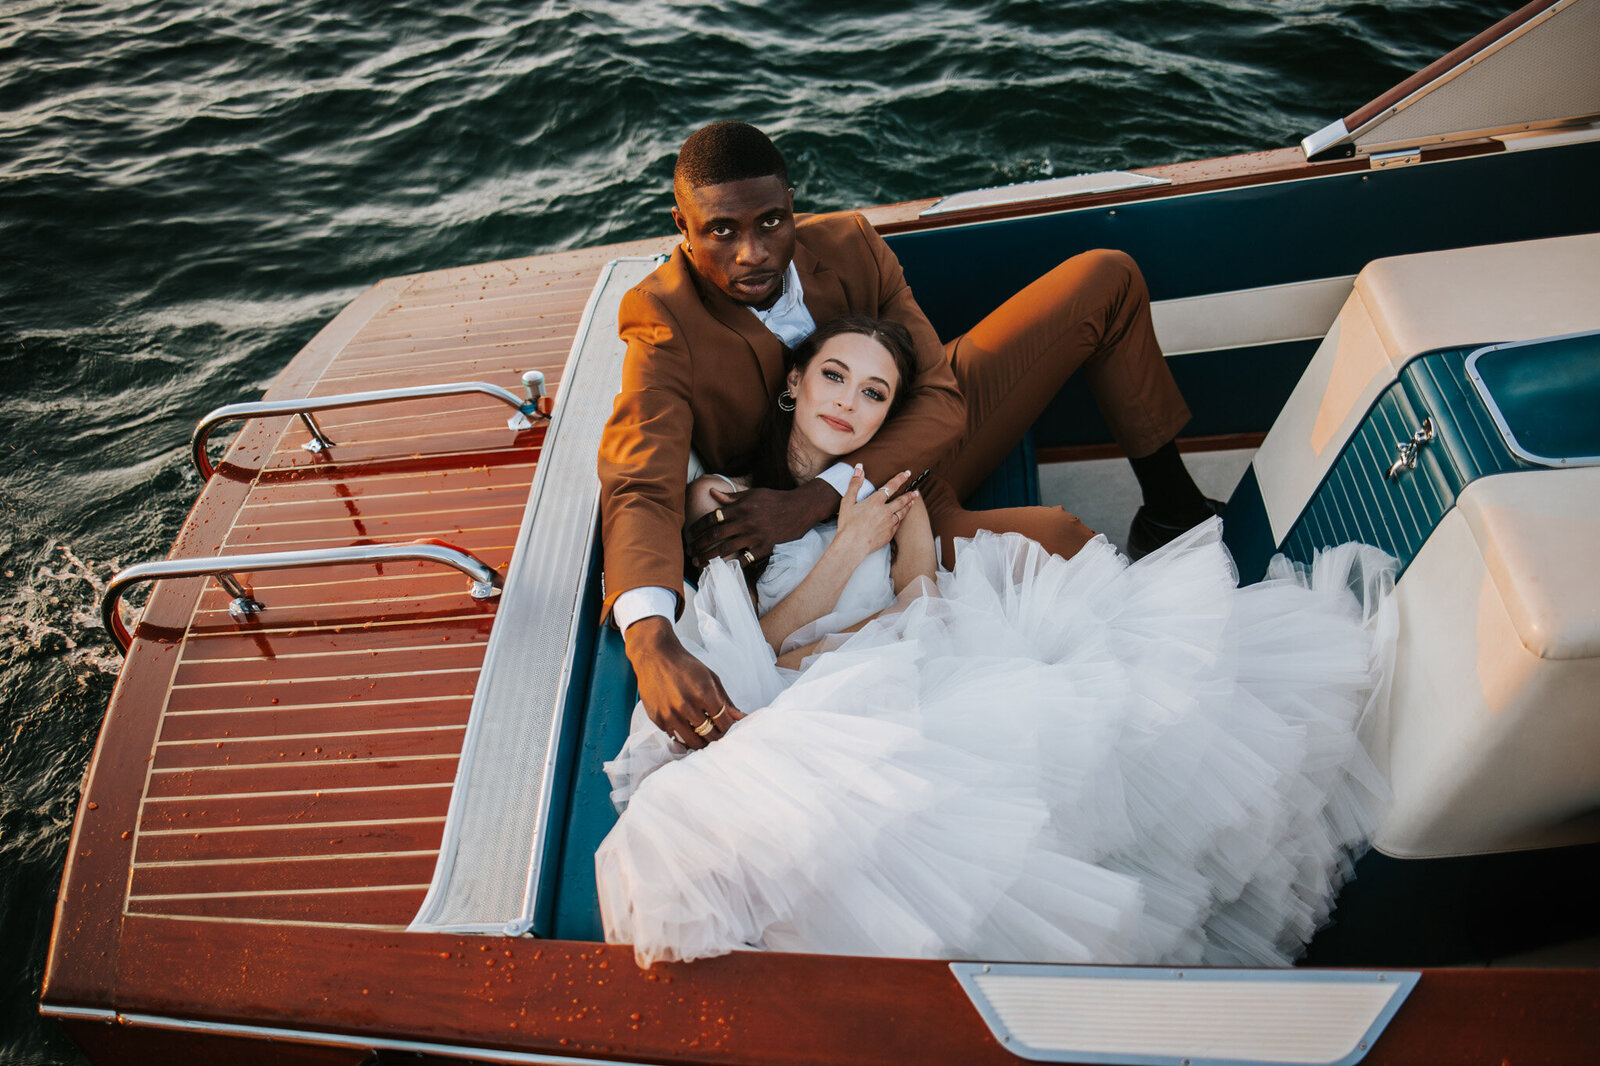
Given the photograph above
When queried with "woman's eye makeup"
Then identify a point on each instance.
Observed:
(832, 375)
(874, 394)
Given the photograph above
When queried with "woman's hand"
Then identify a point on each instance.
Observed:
(913, 547)
(868, 524)
(864, 527)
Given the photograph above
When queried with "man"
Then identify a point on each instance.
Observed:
(706, 336)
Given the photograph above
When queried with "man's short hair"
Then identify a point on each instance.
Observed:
(724, 152)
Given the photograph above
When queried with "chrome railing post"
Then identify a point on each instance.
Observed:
(486, 580)
(243, 604)
(533, 407)
(319, 441)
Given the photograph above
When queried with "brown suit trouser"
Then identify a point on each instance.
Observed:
(1091, 313)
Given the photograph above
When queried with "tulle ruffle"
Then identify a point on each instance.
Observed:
(1042, 759)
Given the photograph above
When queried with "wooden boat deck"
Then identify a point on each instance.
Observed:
(301, 763)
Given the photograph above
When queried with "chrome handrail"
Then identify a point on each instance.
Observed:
(486, 581)
(532, 385)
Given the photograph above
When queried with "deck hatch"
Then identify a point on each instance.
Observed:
(1146, 1016)
(501, 806)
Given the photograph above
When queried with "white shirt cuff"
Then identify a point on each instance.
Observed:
(648, 601)
(839, 474)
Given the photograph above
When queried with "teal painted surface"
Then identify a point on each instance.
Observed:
(1246, 532)
(1239, 390)
(1462, 911)
(612, 693)
(567, 788)
(1014, 483)
(1244, 238)
(1356, 501)
(1548, 394)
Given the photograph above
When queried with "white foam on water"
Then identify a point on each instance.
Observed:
(59, 612)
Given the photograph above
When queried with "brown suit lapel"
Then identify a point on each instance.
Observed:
(765, 348)
(824, 291)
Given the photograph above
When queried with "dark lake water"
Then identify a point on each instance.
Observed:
(189, 191)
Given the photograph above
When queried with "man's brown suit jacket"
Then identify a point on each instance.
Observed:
(701, 370)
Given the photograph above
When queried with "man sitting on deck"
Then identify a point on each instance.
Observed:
(706, 335)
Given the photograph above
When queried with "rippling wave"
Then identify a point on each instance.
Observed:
(188, 191)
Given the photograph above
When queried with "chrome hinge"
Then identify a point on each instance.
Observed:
(1402, 158)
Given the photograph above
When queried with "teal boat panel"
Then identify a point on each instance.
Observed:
(1357, 500)
(612, 692)
(1229, 392)
(1232, 239)
(1252, 236)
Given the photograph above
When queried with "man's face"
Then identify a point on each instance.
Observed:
(741, 236)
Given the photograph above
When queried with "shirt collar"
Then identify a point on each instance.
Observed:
(789, 298)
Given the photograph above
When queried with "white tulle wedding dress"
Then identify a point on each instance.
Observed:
(1044, 759)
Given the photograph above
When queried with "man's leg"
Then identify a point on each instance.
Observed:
(1089, 314)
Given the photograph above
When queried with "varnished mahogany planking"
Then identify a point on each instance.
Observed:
(748, 1007)
(314, 747)
(310, 807)
(299, 721)
(377, 482)
(335, 838)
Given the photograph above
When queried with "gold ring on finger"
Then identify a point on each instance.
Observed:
(749, 556)
(704, 728)
(721, 518)
(714, 717)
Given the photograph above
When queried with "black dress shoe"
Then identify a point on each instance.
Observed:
(1146, 534)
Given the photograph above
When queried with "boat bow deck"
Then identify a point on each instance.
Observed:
(301, 762)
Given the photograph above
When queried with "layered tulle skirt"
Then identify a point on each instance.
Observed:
(1043, 759)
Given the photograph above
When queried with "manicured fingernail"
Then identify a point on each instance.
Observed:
(858, 468)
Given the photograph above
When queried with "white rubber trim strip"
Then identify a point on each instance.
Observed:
(501, 804)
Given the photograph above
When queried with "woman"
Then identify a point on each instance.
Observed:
(1029, 758)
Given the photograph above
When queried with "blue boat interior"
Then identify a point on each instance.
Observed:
(1394, 912)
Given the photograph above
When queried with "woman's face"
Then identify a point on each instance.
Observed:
(841, 398)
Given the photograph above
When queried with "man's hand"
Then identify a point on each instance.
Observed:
(680, 692)
(757, 519)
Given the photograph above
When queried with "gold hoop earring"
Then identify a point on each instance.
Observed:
(786, 401)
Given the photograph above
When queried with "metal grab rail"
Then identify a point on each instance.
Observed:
(486, 581)
(532, 385)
